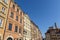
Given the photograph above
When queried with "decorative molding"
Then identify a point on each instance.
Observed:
(9, 36)
(3, 4)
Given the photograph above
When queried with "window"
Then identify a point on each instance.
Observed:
(20, 20)
(13, 6)
(25, 32)
(17, 18)
(17, 10)
(11, 15)
(0, 37)
(21, 13)
(16, 28)
(10, 26)
(19, 30)
(5, 1)
(3, 9)
(0, 22)
(25, 39)
(19, 39)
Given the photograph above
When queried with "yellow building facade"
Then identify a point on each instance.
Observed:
(4, 5)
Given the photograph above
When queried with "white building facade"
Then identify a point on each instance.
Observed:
(27, 28)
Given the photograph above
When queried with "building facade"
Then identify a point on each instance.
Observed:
(35, 32)
(27, 28)
(14, 25)
(39, 34)
(53, 33)
(4, 6)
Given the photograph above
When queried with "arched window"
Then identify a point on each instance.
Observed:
(9, 38)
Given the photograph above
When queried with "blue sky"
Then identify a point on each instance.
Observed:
(43, 12)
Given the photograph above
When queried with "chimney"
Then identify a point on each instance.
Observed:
(55, 25)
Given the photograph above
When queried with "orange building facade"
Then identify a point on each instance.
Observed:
(14, 25)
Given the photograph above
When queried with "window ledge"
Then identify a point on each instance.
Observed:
(1, 27)
(2, 12)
